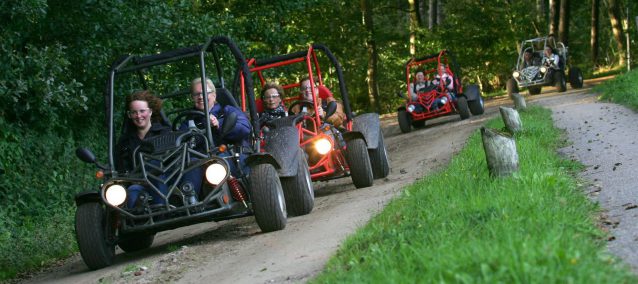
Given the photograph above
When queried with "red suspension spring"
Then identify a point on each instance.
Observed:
(236, 190)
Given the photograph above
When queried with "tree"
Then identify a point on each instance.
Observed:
(553, 16)
(563, 22)
(373, 57)
(613, 9)
(432, 8)
(414, 23)
(595, 5)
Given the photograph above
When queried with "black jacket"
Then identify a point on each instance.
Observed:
(129, 142)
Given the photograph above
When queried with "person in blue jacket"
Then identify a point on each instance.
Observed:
(240, 133)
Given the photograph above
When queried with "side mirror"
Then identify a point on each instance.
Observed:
(85, 155)
(229, 123)
(332, 108)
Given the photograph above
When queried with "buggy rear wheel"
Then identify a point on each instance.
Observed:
(359, 163)
(298, 190)
(91, 227)
(404, 121)
(477, 105)
(136, 241)
(511, 87)
(461, 106)
(379, 159)
(575, 78)
(559, 81)
(418, 123)
(268, 199)
(534, 90)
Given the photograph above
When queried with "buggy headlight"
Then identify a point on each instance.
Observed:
(215, 173)
(543, 69)
(115, 195)
(516, 74)
(323, 146)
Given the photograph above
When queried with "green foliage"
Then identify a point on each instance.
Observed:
(460, 225)
(623, 89)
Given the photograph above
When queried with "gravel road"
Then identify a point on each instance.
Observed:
(603, 135)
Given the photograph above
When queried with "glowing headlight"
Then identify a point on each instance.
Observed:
(516, 74)
(215, 173)
(323, 146)
(115, 195)
(410, 108)
(543, 69)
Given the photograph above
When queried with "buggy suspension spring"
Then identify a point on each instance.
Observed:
(237, 191)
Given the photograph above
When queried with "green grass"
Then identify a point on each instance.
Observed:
(623, 89)
(461, 226)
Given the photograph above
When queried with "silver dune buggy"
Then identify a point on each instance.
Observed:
(533, 70)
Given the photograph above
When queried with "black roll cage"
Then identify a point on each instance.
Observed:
(137, 63)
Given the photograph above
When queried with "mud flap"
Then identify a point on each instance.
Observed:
(282, 143)
(369, 125)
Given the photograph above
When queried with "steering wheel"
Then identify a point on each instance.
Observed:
(301, 104)
(188, 113)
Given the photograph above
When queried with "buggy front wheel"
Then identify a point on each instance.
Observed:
(404, 121)
(379, 159)
(359, 163)
(92, 231)
(298, 190)
(267, 196)
(461, 106)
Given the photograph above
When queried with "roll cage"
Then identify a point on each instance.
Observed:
(139, 64)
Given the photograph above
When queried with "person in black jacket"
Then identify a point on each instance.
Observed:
(144, 121)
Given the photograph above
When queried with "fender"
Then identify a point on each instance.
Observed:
(401, 108)
(282, 143)
(262, 158)
(370, 126)
(352, 135)
(471, 92)
(87, 196)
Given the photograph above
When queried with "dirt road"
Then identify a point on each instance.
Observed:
(236, 252)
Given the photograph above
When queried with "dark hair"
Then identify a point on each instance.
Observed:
(307, 78)
(154, 103)
(272, 85)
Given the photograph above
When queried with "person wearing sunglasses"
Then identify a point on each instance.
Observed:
(216, 114)
(143, 122)
(271, 97)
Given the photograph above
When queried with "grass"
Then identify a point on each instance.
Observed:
(461, 226)
(623, 89)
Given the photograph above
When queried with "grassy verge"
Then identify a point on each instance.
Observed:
(623, 89)
(461, 226)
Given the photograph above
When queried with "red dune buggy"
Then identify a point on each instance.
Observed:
(434, 89)
(355, 148)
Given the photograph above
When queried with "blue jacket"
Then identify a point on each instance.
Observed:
(239, 134)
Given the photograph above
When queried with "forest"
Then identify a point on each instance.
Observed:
(54, 57)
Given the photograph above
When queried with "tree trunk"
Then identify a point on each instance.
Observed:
(540, 12)
(614, 17)
(440, 13)
(413, 26)
(511, 119)
(373, 90)
(432, 14)
(500, 152)
(563, 22)
(553, 16)
(595, 4)
(417, 11)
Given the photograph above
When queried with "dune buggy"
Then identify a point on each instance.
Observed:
(442, 92)
(103, 218)
(533, 72)
(356, 148)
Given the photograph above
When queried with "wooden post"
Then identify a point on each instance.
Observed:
(500, 152)
(511, 119)
(519, 101)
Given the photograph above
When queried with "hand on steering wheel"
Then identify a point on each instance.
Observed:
(177, 121)
(301, 104)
